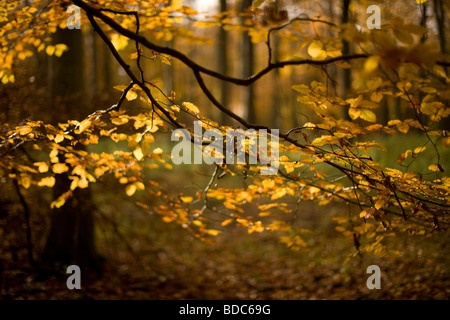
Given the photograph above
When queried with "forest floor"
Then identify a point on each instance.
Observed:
(168, 263)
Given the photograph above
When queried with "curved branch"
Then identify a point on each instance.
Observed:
(195, 66)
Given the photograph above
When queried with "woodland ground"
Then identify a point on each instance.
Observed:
(165, 262)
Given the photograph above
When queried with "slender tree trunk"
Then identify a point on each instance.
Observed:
(71, 237)
(439, 12)
(248, 68)
(277, 104)
(167, 71)
(223, 67)
(346, 81)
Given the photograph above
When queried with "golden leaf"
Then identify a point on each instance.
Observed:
(354, 113)
(25, 130)
(138, 153)
(315, 50)
(58, 203)
(84, 125)
(368, 115)
(371, 63)
(213, 232)
(191, 107)
(131, 95)
(47, 182)
(60, 168)
(226, 222)
(281, 192)
(435, 167)
(42, 166)
(130, 189)
(186, 199)
(59, 138)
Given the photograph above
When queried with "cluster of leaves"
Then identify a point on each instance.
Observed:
(325, 161)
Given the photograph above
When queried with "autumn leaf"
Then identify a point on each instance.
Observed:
(60, 168)
(226, 222)
(130, 189)
(281, 192)
(186, 199)
(25, 130)
(435, 167)
(354, 113)
(191, 107)
(47, 182)
(213, 232)
(138, 153)
(371, 63)
(42, 166)
(367, 115)
(315, 50)
(84, 125)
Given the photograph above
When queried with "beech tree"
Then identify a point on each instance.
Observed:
(327, 159)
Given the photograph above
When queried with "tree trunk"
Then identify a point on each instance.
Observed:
(71, 237)
(346, 83)
(247, 69)
(223, 68)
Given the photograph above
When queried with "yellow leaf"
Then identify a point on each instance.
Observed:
(165, 59)
(191, 107)
(309, 125)
(404, 85)
(25, 130)
(58, 203)
(198, 223)
(59, 138)
(120, 42)
(419, 149)
(50, 50)
(138, 153)
(379, 204)
(131, 95)
(226, 222)
(60, 168)
(157, 151)
(368, 115)
(25, 181)
(243, 222)
(186, 199)
(47, 182)
(213, 232)
(74, 183)
(421, 1)
(371, 63)
(403, 127)
(139, 185)
(84, 125)
(54, 156)
(42, 166)
(130, 189)
(119, 121)
(278, 194)
(60, 48)
(367, 213)
(435, 167)
(315, 50)
(354, 113)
